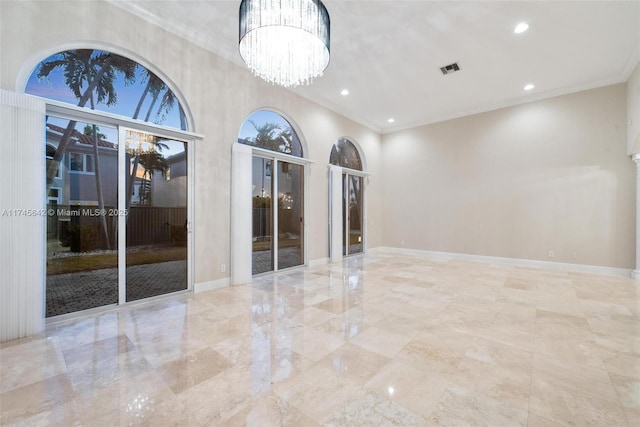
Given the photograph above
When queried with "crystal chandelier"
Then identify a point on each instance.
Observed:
(285, 42)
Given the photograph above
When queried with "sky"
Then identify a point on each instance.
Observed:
(247, 131)
(128, 96)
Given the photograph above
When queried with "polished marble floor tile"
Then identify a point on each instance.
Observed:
(381, 339)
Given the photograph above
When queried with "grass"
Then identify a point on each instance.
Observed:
(80, 263)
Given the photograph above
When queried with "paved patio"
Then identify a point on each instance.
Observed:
(287, 257)
(67, 293)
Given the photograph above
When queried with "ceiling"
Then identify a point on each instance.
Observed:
(388, 54)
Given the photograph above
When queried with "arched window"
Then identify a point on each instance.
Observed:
(104, 81)
(270, 151)
(345, 154)
(269, 130)
(92, 158)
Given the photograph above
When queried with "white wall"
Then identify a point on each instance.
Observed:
(633, 112)
(517, 183)
(220, 96)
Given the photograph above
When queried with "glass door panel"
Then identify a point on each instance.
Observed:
(156, 182)
(262, 242)
(345, 214)
(355, 214)
(290, 232)
(82, 223)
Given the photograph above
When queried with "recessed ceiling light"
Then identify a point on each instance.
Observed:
(521, 28)
(529, 86)
(344, 92)
(391, 120)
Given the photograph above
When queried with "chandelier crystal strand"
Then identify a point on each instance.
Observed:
(285, 42)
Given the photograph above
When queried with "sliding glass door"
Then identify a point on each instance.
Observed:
(352, 213)
(262, 226)
(273, 250)
(290, 232)
(347, 163)
(117, 215)
(82, 227)
(156, 222)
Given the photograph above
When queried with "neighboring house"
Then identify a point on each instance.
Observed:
(75, 182)
(168, 190)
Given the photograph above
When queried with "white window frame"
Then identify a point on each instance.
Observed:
(85, 162)
(57, 199)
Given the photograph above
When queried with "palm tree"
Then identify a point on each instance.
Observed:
(151, 159)
(286, 141)
(166, 105)
(154, 86)
(267, 137)
(87, 73)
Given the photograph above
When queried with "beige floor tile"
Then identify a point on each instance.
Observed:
(383, 339)
(537, 421)
(318, 392)
(270, 410)
(369, 409)
(36, 398)
(588, 380)
(147, 401)
(64, 414)
(30, 362)
(408, 386)
(570, 407)
(354, 363)
(633, 416)
(192, 369)
(505, 385)
(628, 391)
(313, 344)
(461, 406)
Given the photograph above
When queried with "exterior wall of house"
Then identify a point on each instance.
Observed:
(81, 186)
(217, 94)
(545, 178)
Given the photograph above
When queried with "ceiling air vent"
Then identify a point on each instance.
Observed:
(451, 68)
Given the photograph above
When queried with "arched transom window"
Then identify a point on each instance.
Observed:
(269, 130)
(345, 154)
(104, 81)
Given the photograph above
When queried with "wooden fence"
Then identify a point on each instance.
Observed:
(81, 227)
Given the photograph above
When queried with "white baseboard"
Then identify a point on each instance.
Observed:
(579, 268)
(635, 274)
(211, 285)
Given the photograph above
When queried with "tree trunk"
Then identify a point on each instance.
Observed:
(96, 170)
(142, 98)
(54, 165)
(153, 103)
